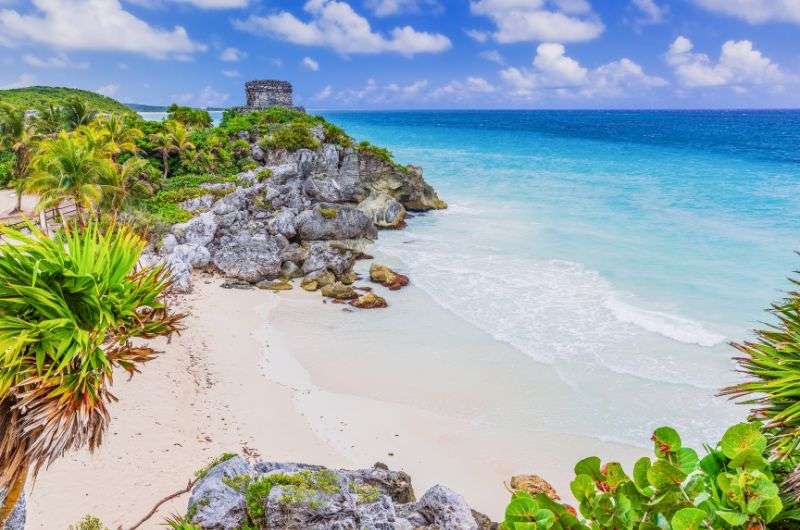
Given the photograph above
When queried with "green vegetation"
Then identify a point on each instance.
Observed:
(203, 471)
(189, 117)
(328, 213)
(70, 306)
(302, 486)
(89, 522)
(733, 486)
(365, 493)
(176, 522)
(297, 135)
(38, 97)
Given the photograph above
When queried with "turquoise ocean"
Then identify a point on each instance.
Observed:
(625, 249)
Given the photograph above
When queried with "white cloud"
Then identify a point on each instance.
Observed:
(492, 56)
(57, 61)
(232, 55)
(462, 90)
(756, 11)
(22, 81)
(334, 24)
(385, 8)
(477, 35)
(207, 97)
(374, 94)
(324, 94)
(63, 24)
(230, 73)
(276, 61)
(540, 20)
(651, 12)
(555, 72)
(217, 4)
(310, 64)
(109, 90)
(739, 64)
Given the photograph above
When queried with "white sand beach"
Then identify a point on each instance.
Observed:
(286, 377)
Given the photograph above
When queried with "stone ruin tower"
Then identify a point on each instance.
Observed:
(266, 93)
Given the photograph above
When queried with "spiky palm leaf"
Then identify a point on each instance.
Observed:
(772, 366)
(69, 309)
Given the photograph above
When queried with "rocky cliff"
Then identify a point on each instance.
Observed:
(236, 494)
(308, 213)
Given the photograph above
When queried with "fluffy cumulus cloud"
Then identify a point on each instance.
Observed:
(58, 61)
(109, 90)
(540, 20)
(324, 94)
(555, 72)
(492, 56)
(310, 64)
(385, 8)
(334, 24)
(207, 97)
(739, 65)
(62, 24)
(463, 90)
(756, 11)
(232, 55)
(650, 12)
(22, 81)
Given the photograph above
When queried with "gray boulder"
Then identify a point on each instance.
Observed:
(330, 221)
(383, 210)
(194, 255)
(322, 256)
(256, 153)
(198, 231)
(444, 508)
(180, 273)
(203, 202)
(216, 505)
(283, 223)
(251, 259)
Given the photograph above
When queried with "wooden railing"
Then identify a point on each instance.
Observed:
(47, 220)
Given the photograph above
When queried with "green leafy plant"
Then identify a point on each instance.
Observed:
(732, 487)
(176, 522)
(291, 138)
(70, 309)
(89, 522)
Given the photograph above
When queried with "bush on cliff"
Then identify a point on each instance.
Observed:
(291, 138)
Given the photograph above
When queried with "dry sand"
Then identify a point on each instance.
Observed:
(279, 375)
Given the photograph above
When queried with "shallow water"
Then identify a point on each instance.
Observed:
(624, 249)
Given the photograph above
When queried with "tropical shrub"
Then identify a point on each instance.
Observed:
(190, 117)
(732, 487)
(772, 363)
(70, 307)
(6, 168)
(291, 138)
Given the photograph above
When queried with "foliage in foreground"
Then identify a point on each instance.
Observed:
(732, 486)
(772, 363)
(69, 308)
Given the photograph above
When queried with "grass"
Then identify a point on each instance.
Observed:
(328, 213)
(201, 473)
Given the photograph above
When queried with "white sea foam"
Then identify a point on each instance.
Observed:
(552, 310)
(670, 326)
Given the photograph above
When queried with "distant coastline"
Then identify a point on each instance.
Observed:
(139, 107)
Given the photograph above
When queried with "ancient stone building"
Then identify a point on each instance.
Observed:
(266, 93)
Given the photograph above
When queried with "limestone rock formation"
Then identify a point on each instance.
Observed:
(298, 496)
(312, 215)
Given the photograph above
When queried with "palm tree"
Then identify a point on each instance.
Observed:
(120, 133)
(49, 119)
(69, 308)
(68, 168)
(77, 113)
(174, 139)
(17, 134)
(132, 180)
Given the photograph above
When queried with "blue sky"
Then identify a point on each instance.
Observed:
(413, 53)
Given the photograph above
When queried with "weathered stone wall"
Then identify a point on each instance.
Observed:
(266, 93)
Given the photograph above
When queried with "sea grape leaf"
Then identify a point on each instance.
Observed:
(742, 437)
(520, 509)
(732, 518)
(770, 508)
(615, 475)
(582, 487)
(663, 475)
(666, 440)
(589, 466)
(640, 474)
(687, 460)
(748, 459)
(689, 519)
